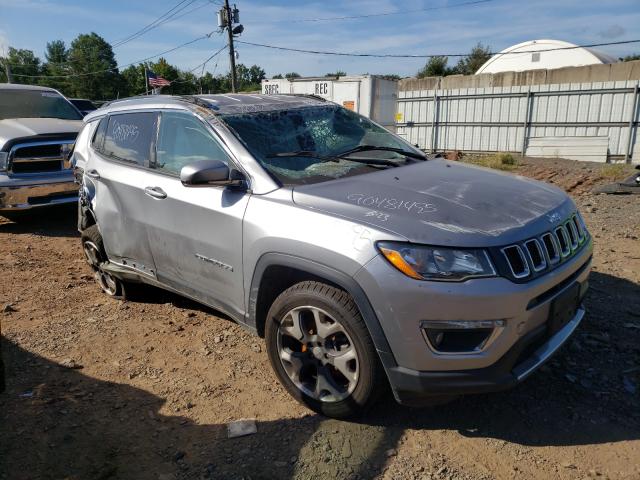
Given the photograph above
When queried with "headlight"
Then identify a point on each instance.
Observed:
(437, 263)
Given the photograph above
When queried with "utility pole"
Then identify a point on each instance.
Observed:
(226, 19)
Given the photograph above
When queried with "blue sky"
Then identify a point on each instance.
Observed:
(498, 23)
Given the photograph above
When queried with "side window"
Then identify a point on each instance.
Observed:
(184, 139)
(98, 136)
(131, 137)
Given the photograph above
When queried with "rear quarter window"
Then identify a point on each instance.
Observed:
(98, 136)
(130, 137)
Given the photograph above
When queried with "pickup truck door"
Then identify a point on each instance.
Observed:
(124, 145)
(195, 233)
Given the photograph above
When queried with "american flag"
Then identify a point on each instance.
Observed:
(156, 81)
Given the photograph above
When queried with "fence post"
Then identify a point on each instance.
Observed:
(632, 125)
(525, 125)
(434, 123)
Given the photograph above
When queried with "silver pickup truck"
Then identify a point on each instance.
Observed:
(38, 127)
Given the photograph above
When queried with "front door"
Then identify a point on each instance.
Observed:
(195, 233)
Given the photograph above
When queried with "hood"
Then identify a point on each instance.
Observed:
(28, 127)
(443, 203)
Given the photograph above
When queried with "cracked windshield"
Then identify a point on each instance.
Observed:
(315, 144)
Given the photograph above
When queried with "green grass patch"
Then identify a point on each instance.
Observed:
(497, 161)
(616, 171)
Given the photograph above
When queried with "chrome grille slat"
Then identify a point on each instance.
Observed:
(547, 250)
(517, 271)
(578, 224)
(573, 234)
(555, 256)
(531, 246)
(563, 241)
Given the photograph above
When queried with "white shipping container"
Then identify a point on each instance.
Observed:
(371, 96)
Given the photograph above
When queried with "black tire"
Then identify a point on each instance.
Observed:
(371, 380)
(95, 255)
(92, 234)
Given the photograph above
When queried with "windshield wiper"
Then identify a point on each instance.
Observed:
(332, 158)
(366, 161)
(369, 148)
(296, 153)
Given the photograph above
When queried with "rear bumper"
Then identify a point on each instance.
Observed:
(23, 194)
(412, 387)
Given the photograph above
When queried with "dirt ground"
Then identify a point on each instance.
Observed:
(100, 389)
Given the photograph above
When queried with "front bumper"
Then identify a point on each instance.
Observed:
(521, 344)
(413, 387)
(31, 192)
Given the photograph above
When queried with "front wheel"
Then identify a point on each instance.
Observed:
(321, 350)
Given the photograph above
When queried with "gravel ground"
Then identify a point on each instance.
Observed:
(101, 389)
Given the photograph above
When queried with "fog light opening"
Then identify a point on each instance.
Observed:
(460, 336)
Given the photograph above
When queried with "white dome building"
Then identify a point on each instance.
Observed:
(531, 55)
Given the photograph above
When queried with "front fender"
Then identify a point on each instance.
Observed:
(344, 281)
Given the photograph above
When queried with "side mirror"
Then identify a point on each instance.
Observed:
(209, 172)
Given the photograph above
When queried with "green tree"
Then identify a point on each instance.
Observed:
(133, 80)
(338, 73)
(435, 67)
(217, 84)
(25, 66)
(630, 58)
(291, 75)
(56, 66)
(470, 64)
(94, 68)
(249, 78)
(279, 75)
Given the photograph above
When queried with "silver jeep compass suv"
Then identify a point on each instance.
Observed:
(362, 263)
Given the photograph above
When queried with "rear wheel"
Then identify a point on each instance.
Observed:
(321, 350)
(94, 252)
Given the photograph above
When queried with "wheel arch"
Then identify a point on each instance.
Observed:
(275, 272)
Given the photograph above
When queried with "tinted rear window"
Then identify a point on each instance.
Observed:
(131, 137)
(98, 136)
(84, 104)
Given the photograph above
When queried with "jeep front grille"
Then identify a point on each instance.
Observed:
(37, 157)
(544, 252)
(517, 261)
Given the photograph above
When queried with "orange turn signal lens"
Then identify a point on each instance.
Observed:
(400, 263)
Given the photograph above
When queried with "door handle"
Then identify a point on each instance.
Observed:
(93, 173)
(155, 192)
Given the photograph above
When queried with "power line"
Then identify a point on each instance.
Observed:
(203, 64)
(166, 16)
(382, 14)
(390, 55)
(42, 64)
(121, 66)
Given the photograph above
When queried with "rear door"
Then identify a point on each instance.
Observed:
(124, 146)
(195, 233)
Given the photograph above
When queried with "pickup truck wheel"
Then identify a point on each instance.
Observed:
(95, 255)
(321, 350)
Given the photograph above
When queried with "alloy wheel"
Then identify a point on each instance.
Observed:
(318, 354)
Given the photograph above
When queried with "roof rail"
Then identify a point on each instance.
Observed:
(306, 95)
